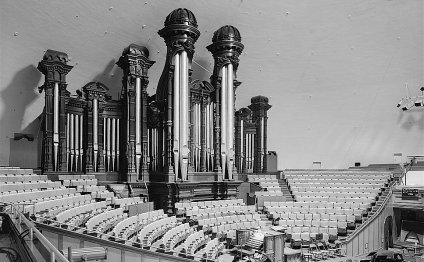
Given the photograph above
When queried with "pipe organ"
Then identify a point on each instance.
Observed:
(187, 127)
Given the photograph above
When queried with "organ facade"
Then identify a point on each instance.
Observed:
(184, 142)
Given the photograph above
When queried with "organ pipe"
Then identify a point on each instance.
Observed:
(176, 119)
(95, 134)
(81, 146)
(68, 153)
(71, 138)
(223, 121)
(76, 141)
(118, 138)
(230, 121)
(138, 123)
(113, 146)
(184, 115)
(56, 124)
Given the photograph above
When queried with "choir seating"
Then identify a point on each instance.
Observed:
(104, 222)
(183, 207)
(194, 242)
(176, 236)
(328, 202)
(153, 231)
(213, 249)
(127, 229)
(77, 216)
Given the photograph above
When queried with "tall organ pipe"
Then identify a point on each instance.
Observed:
(184, 150)
(223, 120)
(137, 123)
(95, 130)
(230, 120)
(176, 116)
(56, 125)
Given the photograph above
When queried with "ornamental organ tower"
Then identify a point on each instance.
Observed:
(184, 143)
(54, 67)
(173, 92)
(226, 48)
(135, 63)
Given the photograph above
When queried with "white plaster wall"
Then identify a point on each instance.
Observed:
(334, 70)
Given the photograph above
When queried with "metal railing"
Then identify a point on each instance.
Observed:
(17, 218)
(128, 242)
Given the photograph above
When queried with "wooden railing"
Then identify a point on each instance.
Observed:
(368, 236)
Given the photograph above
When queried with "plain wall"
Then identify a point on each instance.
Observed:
(334, 70)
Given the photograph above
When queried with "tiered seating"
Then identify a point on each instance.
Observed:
(194, 242)
(126, 201)
(85, 184)
(329, 202)
(77, 216)
(176, 236)
(151, 232)
(183, 207)
(128, 228)
(104, 222)
(35, 196)
(52, 207)
(229, 224)
(267, 182)
(201, 213)
(213, 249)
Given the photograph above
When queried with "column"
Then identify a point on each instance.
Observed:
(54, 67)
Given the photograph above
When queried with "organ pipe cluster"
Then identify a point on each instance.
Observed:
(188, 127)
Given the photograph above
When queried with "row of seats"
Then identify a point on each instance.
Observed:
(66, 215)
(335, 189)
(90, 188)
(79, 182)
(261, 177)
(215, 221)
(127, 227)
(22, 178)
(299, 205)
(176, 235)
(21, 186)
(339, 176)
(336, 183)
(197, 214)
(102, 195)
(105, 222)
(194, 242)
(213, 249)
(230, 228)
(52, 204)
(312, 198)
(71, 177)
(207, 204)
(315, 216)
(15, 171)
(268, 193)
(127, 201)
(306, 224)
(356, 181)
(151, 232)
(333, 172)
(336, 194)
(35, 196)
(94, 222)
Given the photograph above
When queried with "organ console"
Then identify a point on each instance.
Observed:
(187, 131)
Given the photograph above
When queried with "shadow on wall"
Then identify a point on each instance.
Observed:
(112, 78)
(24, 152)
(15, 98)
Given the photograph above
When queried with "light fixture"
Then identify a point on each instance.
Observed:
(419, 102)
